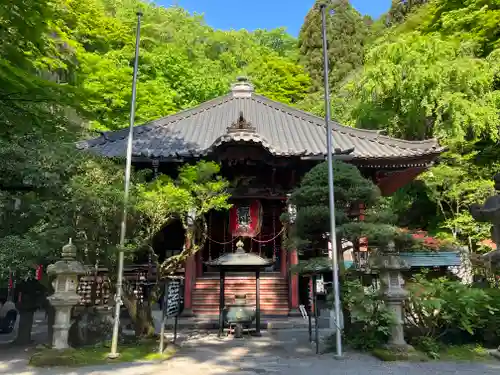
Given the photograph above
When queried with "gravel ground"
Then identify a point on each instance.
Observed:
(276, 352)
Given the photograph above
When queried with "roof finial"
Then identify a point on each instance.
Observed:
(242, 88)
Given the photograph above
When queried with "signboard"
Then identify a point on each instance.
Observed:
(172, 298)
(320, 285)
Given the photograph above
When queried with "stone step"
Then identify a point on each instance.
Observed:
(207, 311)
(229, 301)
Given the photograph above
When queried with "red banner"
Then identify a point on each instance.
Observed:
(245, 220)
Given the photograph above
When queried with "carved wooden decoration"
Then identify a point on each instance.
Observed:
(241, 125)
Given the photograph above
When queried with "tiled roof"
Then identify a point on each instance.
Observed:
(281, 129)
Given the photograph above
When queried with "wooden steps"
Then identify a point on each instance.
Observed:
(273, 293)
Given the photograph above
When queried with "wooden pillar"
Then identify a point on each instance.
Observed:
(221, 303)
(199, 263)
(294, 285)
(189, 275)
(283, 263)
(257, 303)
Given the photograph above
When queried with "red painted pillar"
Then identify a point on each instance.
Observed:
(283, 263)
(199, 264)
(189, 274)
(294, 285)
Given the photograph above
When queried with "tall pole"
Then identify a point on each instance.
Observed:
(123, 228)
(333, 235)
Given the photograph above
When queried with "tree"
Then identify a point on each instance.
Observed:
(279, 79)
(454, 186)
(418, 87)
(346, 32)
(312, 223)
(351, 190)
(195, 192)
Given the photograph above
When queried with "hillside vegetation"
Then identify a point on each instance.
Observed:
(425, 69)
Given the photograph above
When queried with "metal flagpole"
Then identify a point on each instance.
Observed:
(123, 229)
(333, 235)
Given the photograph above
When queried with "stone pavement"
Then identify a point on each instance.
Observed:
(275, 353)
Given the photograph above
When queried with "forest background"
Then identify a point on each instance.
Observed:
(425, 69)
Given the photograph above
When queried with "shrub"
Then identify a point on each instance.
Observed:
(370, 320)
(440, 306)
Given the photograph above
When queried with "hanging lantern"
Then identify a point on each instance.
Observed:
(245, 220)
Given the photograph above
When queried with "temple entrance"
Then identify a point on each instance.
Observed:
(267, 241)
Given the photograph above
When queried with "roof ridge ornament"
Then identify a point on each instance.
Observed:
(242, 88)
(241, 125)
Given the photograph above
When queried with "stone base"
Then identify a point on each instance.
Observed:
(188, 313)
(406, 348)
(495, 353)
(294, 312)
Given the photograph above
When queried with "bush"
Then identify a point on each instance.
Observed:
(439, 307)
(370, 320)
(489, 333)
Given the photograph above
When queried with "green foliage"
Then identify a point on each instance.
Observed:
(371, 320)
(438, 306)
(454, 186)
(350, 189)
(279, 79)
(347, 31)
(421, 86)
(183, 62)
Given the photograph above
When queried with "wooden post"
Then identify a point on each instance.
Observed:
(199, 263)
(221, 303)
(294, 285)
(284, 263)
(189, 285)
(257, 303)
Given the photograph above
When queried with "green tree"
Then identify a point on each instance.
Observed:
(308, 233)
(279, 79)
(346, 32)
(454, 186)
(422, 86)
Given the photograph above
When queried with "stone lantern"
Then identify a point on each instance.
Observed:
(66, 272)
(489, 212)
(389, 265)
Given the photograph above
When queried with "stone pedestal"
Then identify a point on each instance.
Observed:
(66, 272)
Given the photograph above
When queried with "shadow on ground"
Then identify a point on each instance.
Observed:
(284, 351)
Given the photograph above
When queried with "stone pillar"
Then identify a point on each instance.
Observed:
(395, 295)
(390, 266)
(294, 285)
(66, 272)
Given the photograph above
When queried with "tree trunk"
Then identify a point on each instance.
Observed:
(26, 318)
(141, 315)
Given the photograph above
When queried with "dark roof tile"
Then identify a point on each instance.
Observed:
(283, 130)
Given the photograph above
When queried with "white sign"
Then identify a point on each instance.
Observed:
(320, 285)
